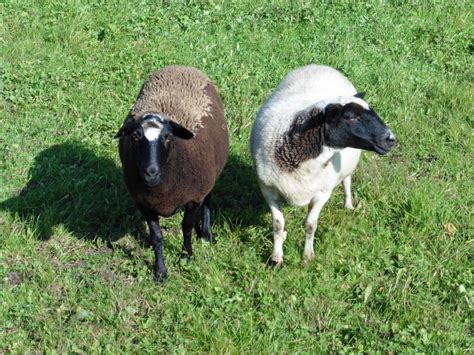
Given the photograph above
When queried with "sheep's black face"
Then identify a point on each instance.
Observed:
(152, 138)
(354, 126)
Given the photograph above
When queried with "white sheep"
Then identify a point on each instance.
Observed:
(306, 140)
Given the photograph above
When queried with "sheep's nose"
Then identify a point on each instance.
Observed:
(151, 171)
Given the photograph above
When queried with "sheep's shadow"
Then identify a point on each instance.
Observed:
(236, 197)
(71, 186)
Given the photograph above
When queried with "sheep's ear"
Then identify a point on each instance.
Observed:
(126, 128)
(360, 95)
(179, 131)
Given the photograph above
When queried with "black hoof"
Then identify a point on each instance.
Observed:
(160, 277)
(274, 265)
(186, 257)
(209, 237)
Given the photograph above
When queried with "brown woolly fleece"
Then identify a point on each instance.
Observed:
(189, 98)
(178, 92)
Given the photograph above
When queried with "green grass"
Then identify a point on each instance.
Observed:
(75, 275)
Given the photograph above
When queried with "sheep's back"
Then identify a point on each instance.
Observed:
(179, 93)
(299, 89)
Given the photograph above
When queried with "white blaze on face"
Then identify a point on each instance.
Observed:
(152, 133)
(152, 129)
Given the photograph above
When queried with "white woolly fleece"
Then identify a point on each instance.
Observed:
(309, 85)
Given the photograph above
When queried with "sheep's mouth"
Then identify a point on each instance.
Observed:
(382, 150)
(152, 182)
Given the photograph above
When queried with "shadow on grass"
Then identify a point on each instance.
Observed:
(70, 185)
(237, 197)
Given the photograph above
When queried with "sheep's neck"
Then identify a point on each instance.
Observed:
(302, 141)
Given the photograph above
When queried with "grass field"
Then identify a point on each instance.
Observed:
(75, 273)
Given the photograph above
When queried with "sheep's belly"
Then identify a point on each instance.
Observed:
(298, 190)
(300, 186)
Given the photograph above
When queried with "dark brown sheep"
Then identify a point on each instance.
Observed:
(173, 146)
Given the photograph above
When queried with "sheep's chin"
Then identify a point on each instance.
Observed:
(152, 183)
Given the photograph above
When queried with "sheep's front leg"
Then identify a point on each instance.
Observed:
(347, 192)
(187, 225)
(279, 233)
(314, 209)
(157, 242)
(278, 222)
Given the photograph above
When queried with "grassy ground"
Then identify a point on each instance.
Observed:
(75, 274)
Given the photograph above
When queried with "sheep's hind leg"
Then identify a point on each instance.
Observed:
(278, 223)
(206, 220)
(156, 237)
(314, 209)
(347, 192)
(189, 221)
(198, 225)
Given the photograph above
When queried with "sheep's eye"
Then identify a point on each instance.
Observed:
(136, 135)
(352, 117)
(166, 141)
